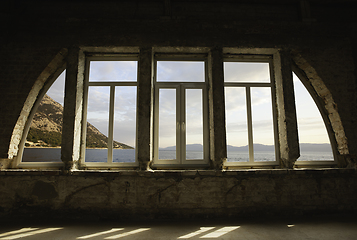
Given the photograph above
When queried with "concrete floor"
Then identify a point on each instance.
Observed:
(323, 227)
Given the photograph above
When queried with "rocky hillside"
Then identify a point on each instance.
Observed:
(46, 128)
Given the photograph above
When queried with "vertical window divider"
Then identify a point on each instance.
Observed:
(182, 134)
(111, 124)
(250, 124)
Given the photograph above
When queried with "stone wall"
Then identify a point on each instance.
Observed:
(177, 194)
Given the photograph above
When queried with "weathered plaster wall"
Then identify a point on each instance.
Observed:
(178, 194)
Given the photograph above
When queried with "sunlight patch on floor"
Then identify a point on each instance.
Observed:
(100, 233)
(128, 233)
(31, 233)
(202, 230)
(220, 232)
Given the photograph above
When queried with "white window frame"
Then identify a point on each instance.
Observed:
(112, 85)
(247, 86)
(181, 161)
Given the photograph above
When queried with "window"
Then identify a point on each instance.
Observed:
(177, 113)
(313, 138)
(250, 112)
(41, 142)
(109, 131)
(180, 110)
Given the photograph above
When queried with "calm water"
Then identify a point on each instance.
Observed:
(128, 155)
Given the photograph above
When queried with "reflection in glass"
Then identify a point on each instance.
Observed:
(262, 120)
(236, 124)
(167, 123)
(246, 72)
(124, 124)
(313, 137)
(194, 124)
(180, 71)
(113, 71)
(97, 122)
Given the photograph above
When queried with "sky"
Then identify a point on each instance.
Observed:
(310, 124)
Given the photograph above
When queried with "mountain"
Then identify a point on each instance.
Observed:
(46, 128)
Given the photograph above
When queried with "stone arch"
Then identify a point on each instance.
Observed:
(325, 102)
(40, 87)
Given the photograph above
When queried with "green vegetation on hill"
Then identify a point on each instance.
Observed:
(52, 139)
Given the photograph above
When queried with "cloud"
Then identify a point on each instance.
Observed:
(56, 91)
(181, 71)
(113, 71)
(98, 100)
(246, 72)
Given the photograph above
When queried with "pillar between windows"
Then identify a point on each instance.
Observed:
(72, 113)
(287, 121)
(218, 149)
(145, 99)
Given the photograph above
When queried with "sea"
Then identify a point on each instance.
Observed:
(128, 155)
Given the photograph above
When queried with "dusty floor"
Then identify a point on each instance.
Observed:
(323, 227)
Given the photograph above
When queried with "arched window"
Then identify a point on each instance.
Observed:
(43, 133)
(313, 137)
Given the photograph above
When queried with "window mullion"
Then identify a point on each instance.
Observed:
(111, 125)
(179, 124)
(250, 125)
(183, 123)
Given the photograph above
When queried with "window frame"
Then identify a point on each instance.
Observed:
(180, 161)
(256, 58)
(112, 84)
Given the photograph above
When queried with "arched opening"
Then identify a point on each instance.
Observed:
(44, 136)
(40, 87)
(313, 136)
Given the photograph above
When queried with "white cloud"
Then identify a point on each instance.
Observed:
(56, 91)
(180, 71)
(246, 72)
(113, 71)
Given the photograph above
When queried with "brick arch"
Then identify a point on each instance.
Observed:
(40, 87)
(325, 102)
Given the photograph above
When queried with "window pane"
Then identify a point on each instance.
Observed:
(313, 137)
(236, 124)
(183, 71)
(262, 120)
(113, 71)
(44, 138)
(97, 124)
(246, 72)
(194, 124)
(167, 123)
(124, 124)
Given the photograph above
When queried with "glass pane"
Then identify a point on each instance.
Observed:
(194, 124)
(313, 137)
(246, 72)
(182, 71)
(97, 124)
(44, 138)
(113, 71)
(167, 123)
(262, 120)
(124, 124)
(236, 124)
